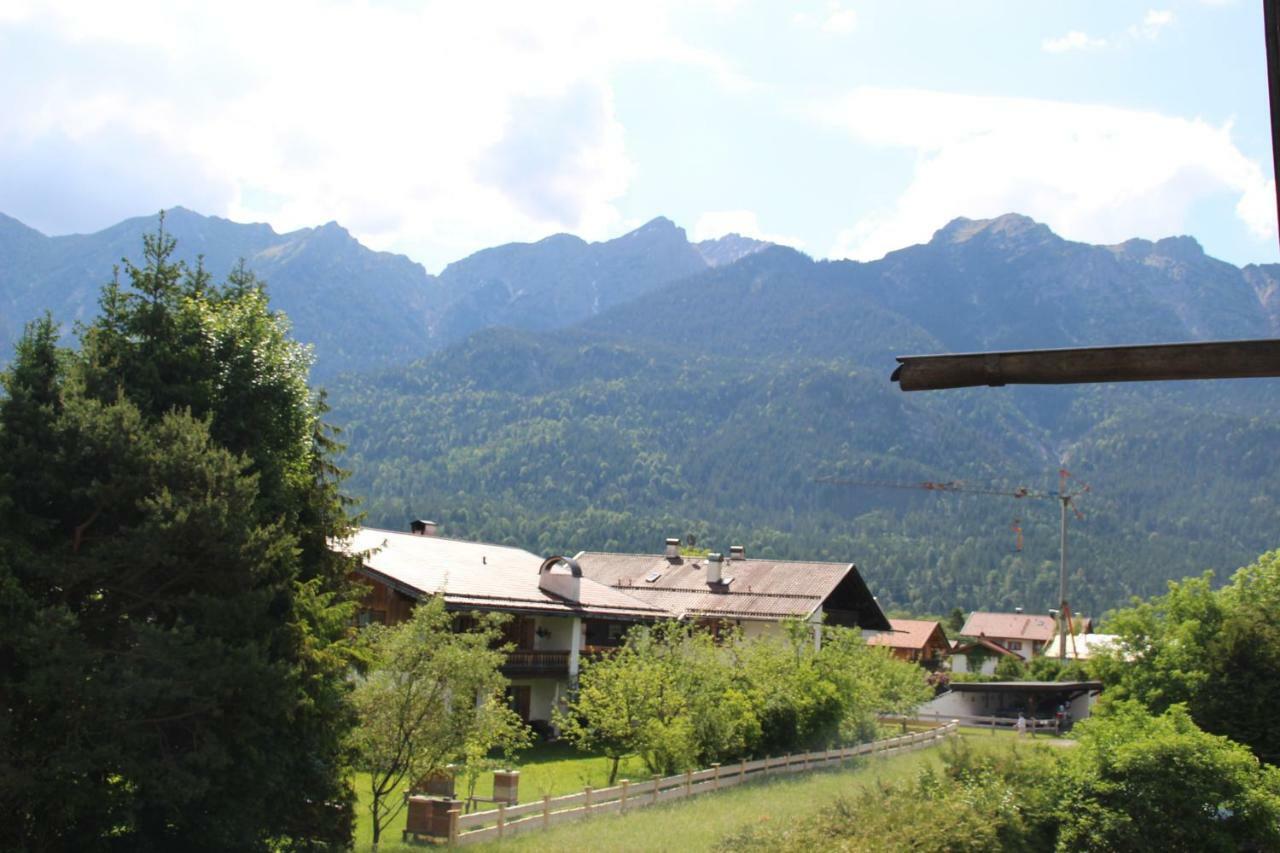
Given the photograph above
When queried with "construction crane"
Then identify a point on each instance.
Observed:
(1064, 496)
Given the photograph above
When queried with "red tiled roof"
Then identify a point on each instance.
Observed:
(961, 647)
(1009, 626)
(907, 634)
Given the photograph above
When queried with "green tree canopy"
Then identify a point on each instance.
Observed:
(173, 624)
(1216, 651)
(680, 697)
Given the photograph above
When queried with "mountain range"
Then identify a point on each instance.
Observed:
(568, 395)
(359, 308)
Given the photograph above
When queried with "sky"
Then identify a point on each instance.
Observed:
(846, 129)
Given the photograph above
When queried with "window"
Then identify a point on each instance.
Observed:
(371, 617)
(1015, 645)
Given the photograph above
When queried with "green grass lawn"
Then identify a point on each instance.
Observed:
(701, 822)
(547, 768)
(695, 824)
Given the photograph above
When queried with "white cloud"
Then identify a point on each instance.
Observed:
(1153, 23)
(840, 22)
(1074, 40)
(717, 223)
(834, 19)
(1093, 173)
(430, 128)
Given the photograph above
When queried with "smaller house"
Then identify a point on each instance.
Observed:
(980, 655)
(1021, 633)
(916, 640)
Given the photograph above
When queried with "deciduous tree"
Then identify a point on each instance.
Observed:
(431, 694)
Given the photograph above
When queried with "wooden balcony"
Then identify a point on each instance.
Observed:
(528, 662)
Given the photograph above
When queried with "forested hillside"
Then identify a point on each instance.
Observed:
(661, 387)
(709, 407)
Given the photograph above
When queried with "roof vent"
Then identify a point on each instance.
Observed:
(422, 527)
(737, 552)
(673, 549)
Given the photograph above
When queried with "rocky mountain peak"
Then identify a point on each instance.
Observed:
(729, 248)
(1012, 230)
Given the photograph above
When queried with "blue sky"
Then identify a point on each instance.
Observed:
(847, 129)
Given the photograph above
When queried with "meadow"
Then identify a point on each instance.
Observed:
(697, 824)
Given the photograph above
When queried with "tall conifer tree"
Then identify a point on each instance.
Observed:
(173, 626)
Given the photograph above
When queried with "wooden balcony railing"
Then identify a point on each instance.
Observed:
(531, 662)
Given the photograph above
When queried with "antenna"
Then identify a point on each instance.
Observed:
(1064, 496)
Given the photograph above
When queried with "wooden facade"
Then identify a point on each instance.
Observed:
(382, 604)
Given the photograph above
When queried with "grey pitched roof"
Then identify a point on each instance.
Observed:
(760, 589)
(480, 575)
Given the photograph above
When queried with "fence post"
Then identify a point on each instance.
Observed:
(502, 818)
(716, 767)
(742, 770)
(623, 806)
(546, 810)
(656, 777)
(453, 825)
(786, 765)
(688, 782)
(586, 792)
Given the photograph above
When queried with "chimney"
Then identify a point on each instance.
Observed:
(673, 550)
(561, 576)
(422, 527)
(737, 552)
(1017, 610)
(714, 563)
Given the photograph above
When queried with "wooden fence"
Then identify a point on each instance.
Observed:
(1035, 725)
(506, 821)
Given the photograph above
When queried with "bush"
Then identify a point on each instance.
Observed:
(679, 698)
(1139, 782)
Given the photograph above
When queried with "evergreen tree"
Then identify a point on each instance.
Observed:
(173, 626)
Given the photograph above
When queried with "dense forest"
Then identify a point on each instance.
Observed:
(562, 446)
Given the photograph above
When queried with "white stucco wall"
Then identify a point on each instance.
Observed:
(543, 693)
(561, 633)
(960, 663)
(976, 704)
